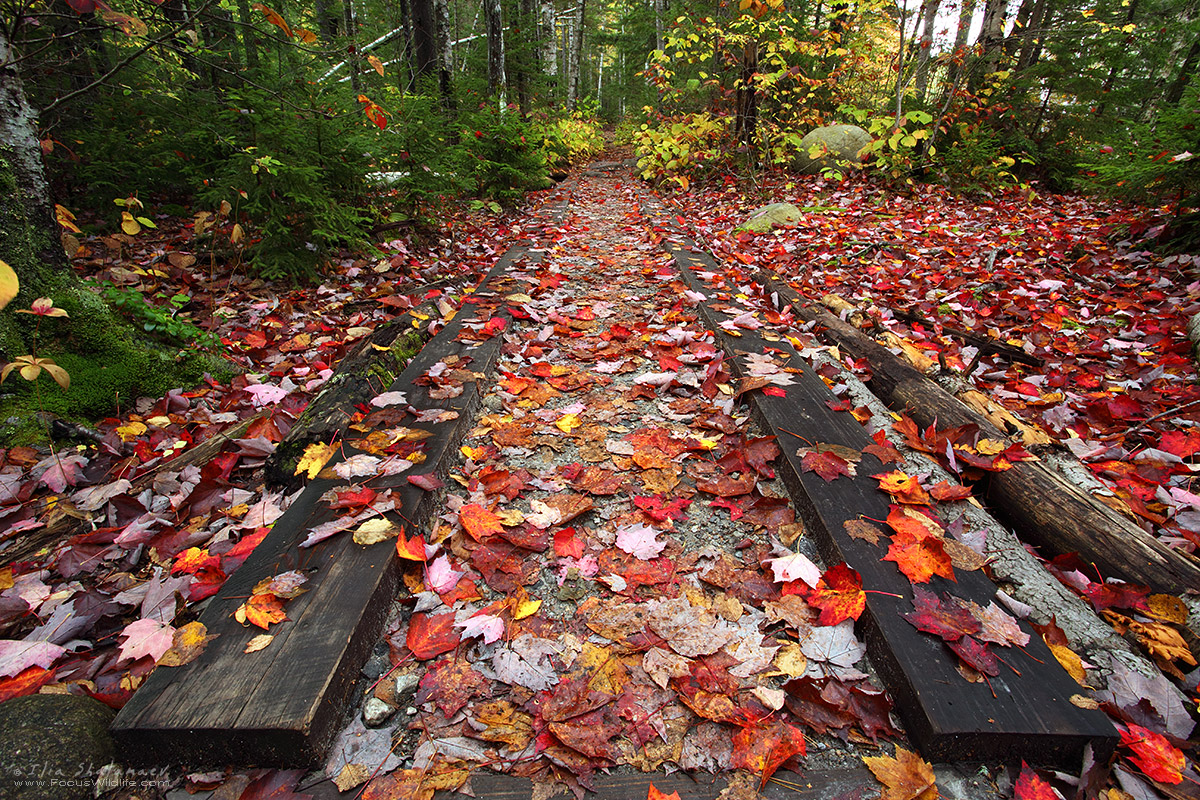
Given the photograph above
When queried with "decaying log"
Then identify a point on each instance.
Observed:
(1049, 513)
(362, 374)
(985, 344)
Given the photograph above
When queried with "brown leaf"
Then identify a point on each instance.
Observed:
(905, 777)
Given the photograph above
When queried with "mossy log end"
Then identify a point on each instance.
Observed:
(367, 370)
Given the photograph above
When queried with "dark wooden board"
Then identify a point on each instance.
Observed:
(1048, 511)
(283, 706)
(848, 783)
(1027, 715)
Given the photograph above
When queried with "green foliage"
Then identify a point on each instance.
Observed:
(975, 161)
(293, 181)
(164, 319)
(1150, 162)
(678, 151)
(420, 153)
(503, 155)
(572, 139)
(894, 151)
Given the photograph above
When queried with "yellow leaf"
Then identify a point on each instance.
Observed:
(131, 431)
(66, 218)
(237, 234)
(258, 642)
(568, 423)
(315, 457)
(1070, 662)
(305, 36)
(9, 284)
(376, 64)
(129, 224)
(374, 531)
(189, 643)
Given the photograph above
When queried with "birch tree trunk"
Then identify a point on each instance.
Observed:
(352, 39)
(549, 55)
(576, 57)
(446, 59)
(925, 47)
(495, 42)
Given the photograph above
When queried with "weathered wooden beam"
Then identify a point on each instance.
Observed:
(1049, 512)
(283, 705)
(1021, 715)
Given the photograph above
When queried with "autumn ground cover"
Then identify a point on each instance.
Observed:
(611, 581)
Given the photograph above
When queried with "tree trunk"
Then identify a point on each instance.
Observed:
(1032, 35)
(660, 11)
(1175, 91)
(352, 44)
(925, 48)
(327, 22)
(577, 57)
(746, 120)
(495, 43)
(424, 28)
(550, 47)
(446, 59)
(249, 41)
(991, 39)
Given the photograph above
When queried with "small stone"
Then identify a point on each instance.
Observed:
(411, 711)
(376, 712)
(406, 683)
(376, 665)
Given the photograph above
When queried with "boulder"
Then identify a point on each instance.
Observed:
(53, 746)
(771, 216)
(836, 143)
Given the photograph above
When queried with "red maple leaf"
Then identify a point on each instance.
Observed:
(826, 464)
(762, 748)
(567, 544)
(1153, 754)
(945, 617)
(479, 522)
(839, 595)
(431, 635)
(1032, 787)
(660, 510)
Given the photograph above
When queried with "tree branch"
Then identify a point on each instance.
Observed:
(125, 62)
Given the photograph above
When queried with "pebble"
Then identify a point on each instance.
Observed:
(406, 683)
(376, 712)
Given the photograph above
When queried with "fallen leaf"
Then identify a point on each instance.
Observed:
(905, 777)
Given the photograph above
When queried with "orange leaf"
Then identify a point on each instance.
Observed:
(903, 487)
(411, 549)
(274, 18)
(764, 747)
(905, 777)
(193, 560)
(263, 609)
(920, 559)
(27, 681)
(655, 794)
(479, 522)
(913, 522)
(839, 595)
(1153, 754)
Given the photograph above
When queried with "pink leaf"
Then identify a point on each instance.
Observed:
(639, 541)
(146, 637)
(488, 626)
(795, 567)
(17, 656)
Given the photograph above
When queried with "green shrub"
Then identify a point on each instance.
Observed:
(895, 148)
(164, 319)
(682, 150)
(504, 155)
(572, 139)
(420, 153)
(293, 180)
(975, 161)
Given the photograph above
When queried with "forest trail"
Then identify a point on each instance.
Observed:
(614, 572)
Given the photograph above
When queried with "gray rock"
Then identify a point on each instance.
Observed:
(376, 712)
(835, 143)
(771, 216)
(53, 746)
(406, 683)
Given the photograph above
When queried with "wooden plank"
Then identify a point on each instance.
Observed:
(1027, 715)
(817, 784)
(1049, 512)
(283, 706)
